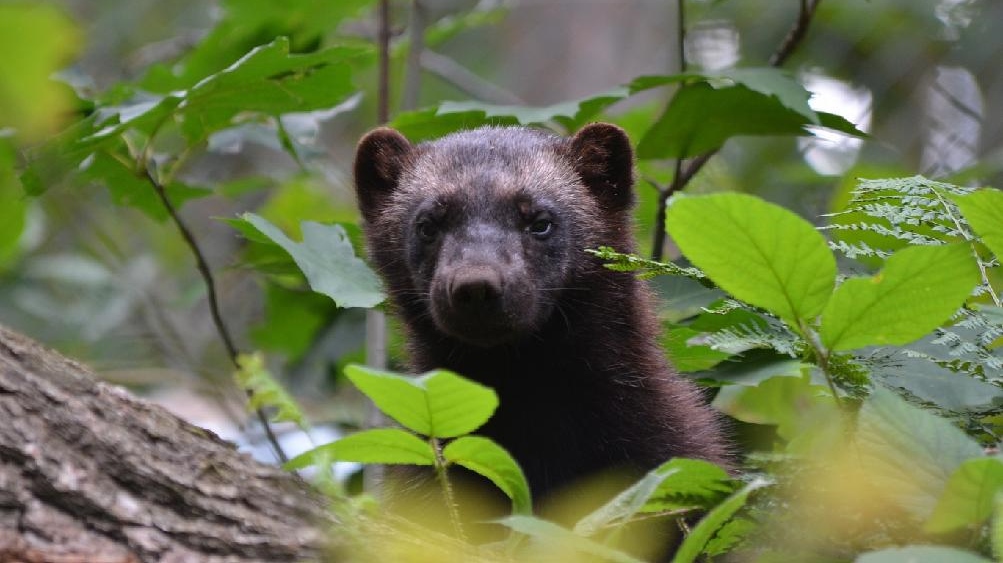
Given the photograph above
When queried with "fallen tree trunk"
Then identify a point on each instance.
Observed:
(90, 473)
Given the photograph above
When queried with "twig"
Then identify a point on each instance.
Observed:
(683, 175)
(412, 75)
(796, 34)
(210, 285)
(460, 77)
(383, 48)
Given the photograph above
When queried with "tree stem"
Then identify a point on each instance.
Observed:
(210, 284)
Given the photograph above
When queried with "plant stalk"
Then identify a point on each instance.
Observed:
(210, 284)
(441, 468)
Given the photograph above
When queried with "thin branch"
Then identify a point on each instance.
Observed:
(210, 285)
(460, 77)
(416, 46)
(683, 176)
(383, 48)
(796, 34)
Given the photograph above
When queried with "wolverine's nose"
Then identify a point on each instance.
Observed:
(475, 287)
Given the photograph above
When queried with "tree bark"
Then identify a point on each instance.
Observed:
(90, 473)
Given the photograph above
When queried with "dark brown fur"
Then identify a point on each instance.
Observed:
(570, 346)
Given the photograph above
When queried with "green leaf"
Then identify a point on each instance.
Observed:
(757, 251)
(919, 288)
(244, 24)
(37, 39)
(700, 118)
(267, 80)
(485, 457)
(424, 124)
(129, 189)
(380, 445)
(909, 454)
(570, 114)
(983, 210)
(291, 320)
(921, 554)
(694, 543)
(328, 261)
(562, 542)
(14, 210)
(969, 497)
(804, 413)
(439, 404)
(265, 390)
(271, 81)
(774, 82)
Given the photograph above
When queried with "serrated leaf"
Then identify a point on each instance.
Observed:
(757, 251)
(486, 458)
(919, 288)
(265, 390)
(983, 210)
(380, 445)
(909, 454)
(267, 80)
(921, 554)
(439, 404)
(700, 118)
(244, 24)
(327, 259)
(968, 499)
(694, 543)
(271, 81)
(562, 542)
(777, 83)
(570, 114)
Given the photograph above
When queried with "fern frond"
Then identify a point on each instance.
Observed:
(647, 269)
(736, 339)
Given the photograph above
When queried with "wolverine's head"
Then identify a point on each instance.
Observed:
(483, 230)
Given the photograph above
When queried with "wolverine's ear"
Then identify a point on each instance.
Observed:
(604, 160)
(379, 160)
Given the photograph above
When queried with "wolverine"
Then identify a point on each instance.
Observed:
(480, 238)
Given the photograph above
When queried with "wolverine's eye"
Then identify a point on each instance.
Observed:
(427, 230)
(541, 227)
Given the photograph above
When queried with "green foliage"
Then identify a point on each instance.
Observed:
(867, 392)
(31, 102)
(327, 259)
(379, 445)
(756, 251)
(968, 498)
(914, 293)
(487, 458)
(265, 391)
(696, 540)
(438, 404)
